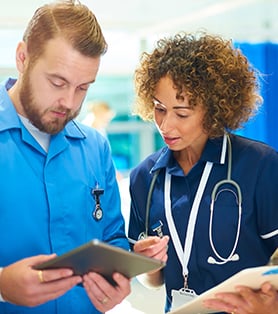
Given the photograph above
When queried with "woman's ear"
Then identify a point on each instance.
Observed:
(21, 56)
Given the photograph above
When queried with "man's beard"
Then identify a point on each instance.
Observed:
(36, 116)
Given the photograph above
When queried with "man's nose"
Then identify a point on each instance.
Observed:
(68, 99)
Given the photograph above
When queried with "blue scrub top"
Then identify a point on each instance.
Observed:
(254, 168)
(46, 200)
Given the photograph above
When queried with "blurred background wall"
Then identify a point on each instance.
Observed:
(131, 27)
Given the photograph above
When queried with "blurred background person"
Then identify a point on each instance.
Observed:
(99, 116)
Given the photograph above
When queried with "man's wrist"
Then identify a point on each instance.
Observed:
(1, 298)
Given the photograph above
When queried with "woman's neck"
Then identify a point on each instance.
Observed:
(189, 156)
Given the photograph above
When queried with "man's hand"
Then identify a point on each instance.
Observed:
(102, 294)
(22, 285)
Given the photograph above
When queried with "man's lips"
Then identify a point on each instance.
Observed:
(59, 114)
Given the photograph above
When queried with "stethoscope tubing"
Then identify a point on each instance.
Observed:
(232, 256)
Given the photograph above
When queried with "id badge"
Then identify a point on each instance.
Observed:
(182, 296)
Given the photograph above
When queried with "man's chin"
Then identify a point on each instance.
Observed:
(52, 128)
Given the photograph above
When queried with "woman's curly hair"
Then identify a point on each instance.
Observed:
(209, 71)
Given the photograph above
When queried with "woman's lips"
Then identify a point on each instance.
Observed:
(170, 140)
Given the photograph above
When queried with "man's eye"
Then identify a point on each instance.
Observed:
(57, 84)
(84, 87)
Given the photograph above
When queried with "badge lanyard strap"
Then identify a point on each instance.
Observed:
(184, 255)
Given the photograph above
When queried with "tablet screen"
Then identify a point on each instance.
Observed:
(104, 259)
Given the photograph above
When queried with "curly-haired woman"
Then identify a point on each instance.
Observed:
(199, 88)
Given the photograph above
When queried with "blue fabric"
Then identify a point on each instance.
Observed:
(264, 57)
(46, 202)
(254, 168)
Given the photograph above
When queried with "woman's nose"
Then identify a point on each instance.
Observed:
(167, 123)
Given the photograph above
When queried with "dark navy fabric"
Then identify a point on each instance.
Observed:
(254, 168)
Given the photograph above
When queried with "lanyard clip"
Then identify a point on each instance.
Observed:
(157, 227)
(96, 193)
(185, 285)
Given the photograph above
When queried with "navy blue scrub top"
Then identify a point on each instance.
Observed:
(254, 168)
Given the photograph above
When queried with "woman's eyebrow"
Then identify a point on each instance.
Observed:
(157, 100)
(174, 106)
(181, 107)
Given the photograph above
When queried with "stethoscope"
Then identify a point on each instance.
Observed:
(214, 195)
(238, 196)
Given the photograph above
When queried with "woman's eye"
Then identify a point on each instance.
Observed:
(182, 116)
(160, 109)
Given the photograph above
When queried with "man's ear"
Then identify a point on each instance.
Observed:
(21, 56)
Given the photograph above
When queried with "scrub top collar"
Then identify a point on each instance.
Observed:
(8, 117)
(212, 153)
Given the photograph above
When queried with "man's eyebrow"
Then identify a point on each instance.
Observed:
(57, 76)
(54, 75)
(89, 82)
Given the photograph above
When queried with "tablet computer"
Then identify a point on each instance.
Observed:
(103, 258)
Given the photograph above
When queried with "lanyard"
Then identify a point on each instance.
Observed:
(184, 255)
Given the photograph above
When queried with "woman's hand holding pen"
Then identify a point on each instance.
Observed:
(154, 247)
